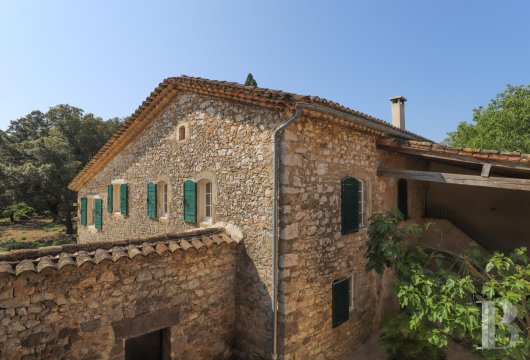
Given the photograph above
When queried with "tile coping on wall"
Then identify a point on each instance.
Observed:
(17, 262)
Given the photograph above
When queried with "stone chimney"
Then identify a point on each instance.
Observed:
(398, 111)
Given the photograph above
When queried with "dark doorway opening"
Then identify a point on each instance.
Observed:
(403, 198)
(151, 346)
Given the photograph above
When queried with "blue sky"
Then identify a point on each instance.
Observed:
(446, 57)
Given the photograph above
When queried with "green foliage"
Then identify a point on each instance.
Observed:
(503, 125)
(42, 152)
(250, 80)
(52, 228)
(18, 211)
(438, 291)
(402, 342)
(8, 245)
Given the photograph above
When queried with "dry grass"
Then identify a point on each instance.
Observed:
(30, 230)
(34, 233)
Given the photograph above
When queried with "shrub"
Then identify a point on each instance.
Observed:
(12, 244)
(18, 211)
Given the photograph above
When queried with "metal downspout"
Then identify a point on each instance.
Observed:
(275, 225)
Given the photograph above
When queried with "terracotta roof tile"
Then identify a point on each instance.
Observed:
(482, 154)
(57, 258)
(150, 107)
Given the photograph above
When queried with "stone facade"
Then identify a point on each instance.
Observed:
(88, 312)
(316, 155)
(229, 143)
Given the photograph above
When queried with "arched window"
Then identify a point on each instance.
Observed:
(403, 201)
(182, 133)
(354, 203)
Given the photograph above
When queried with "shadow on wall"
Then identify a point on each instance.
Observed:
(253, 338)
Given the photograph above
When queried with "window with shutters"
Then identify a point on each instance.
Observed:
(354, 204)
(340, 301)
(92, 211)
(117, 197)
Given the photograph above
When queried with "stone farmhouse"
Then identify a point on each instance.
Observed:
(226, 221)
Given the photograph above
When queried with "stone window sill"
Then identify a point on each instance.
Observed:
(205, 223)
(163, 219)
(118, 215)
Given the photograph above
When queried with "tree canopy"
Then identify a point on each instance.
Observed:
(504, 124)
(40, 154)
(250, 80)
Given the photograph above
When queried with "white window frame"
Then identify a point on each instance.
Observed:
(116, 195)
(351, 290)
(208, 201)
(164, 200)
(363, 203)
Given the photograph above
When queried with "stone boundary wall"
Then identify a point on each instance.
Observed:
(88, 312)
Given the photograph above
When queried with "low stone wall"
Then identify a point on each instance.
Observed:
(185, 287)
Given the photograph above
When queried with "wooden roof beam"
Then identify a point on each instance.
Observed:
(459, 179)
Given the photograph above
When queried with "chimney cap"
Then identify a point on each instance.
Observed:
(396, 99)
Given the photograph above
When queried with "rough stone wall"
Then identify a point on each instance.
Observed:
(316, 156)
(88, 312)
(230, 143)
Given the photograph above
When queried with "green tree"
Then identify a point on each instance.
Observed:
(250, 80)
(502, 125)
(18, 211)
(40, 154)
(438, 292)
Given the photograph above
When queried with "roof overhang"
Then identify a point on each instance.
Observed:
(275, 99)
(497, 169)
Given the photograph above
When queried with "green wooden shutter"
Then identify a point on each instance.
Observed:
(124, 199)
(190, 201)
(98, 213)
(340, 302)
(350, 205)
(109, 197)
(403, 205)
(151, 200)
(83, 210)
